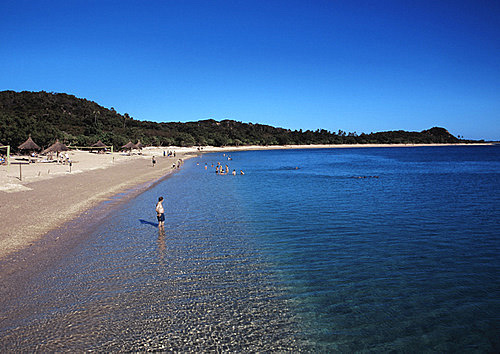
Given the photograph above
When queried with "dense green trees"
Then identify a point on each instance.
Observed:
(49, 116)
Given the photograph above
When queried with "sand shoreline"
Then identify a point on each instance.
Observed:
(49, 196)
(43, 202)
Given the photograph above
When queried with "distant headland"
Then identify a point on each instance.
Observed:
(47, 116)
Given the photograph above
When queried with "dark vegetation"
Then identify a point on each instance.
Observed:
(80, 122)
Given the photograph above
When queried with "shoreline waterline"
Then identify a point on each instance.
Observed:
(21, 234)
(46, 205)
(23, 264)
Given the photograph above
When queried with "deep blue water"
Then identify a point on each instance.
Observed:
(366, 249)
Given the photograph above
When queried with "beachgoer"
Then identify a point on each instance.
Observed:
(241, 172)
(153, 161)
(234, 172)
(160, 212)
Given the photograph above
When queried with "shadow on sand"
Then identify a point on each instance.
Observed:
(155, 224)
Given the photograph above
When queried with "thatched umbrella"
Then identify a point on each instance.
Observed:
(28, 145)
(99, 144)
(128, 146)
(139, 145)
(57, 147)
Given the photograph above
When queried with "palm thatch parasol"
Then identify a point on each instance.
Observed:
(128, 146)
(56, 147)
(28, 145)
(99, 144)
(139, 145)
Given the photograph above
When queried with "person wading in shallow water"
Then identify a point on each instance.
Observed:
(160, 213)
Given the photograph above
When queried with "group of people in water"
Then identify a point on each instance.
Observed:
(223, 170)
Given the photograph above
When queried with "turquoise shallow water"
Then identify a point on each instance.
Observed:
(380, 249)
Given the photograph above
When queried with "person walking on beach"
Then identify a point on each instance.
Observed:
(153, 161)
(160, 213)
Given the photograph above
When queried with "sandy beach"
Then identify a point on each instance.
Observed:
(50, 195)
(43, 196)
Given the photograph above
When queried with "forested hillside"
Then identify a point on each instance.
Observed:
(80, 122)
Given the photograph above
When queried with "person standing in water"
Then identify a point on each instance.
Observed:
(160, 213)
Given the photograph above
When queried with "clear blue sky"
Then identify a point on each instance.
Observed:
(360, 66)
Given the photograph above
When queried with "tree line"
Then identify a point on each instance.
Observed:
(48, 116)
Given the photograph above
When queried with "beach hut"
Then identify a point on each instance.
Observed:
(57, 147)
(139, 145)
(128, 146)
(99, 145)
(29, 145)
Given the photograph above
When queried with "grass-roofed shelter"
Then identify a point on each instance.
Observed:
(57, 147)
(128, 146)
(139, 145)
(29, 145)
(99, 145)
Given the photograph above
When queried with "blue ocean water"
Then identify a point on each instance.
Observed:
(407, 259)
(362, 249)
